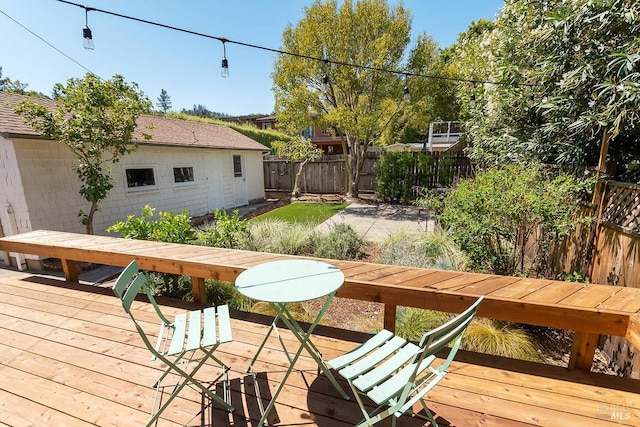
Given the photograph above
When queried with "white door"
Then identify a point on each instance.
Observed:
(239, 181)
(213, 181)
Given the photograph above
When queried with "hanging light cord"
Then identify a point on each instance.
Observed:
(49, 44)
(313, 58)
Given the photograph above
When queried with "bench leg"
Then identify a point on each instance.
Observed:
(199, 290)
(583, 350)
(390, 317)
(70, 270)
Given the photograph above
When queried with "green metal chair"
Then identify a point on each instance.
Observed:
(192, 336)
(395, 373)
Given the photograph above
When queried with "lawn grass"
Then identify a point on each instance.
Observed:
(312, 213)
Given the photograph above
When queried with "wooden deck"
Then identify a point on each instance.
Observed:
(69, 356)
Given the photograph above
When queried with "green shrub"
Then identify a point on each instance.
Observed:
(297, 310)
(166, 227)
(225, 232)
(395, 176)
(482, 336)
(220, 292)
(494, 216)
(340, 242)
(170, 285)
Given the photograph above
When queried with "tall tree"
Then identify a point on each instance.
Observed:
(581, 58)
(357, 102)
(14, 86)
(96, 120)
(297, 150)
(164, 101)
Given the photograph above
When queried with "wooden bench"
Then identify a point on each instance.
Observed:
(590, 310)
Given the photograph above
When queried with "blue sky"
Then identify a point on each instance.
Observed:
(186, 66)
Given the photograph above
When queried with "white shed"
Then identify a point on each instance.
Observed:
(186, 165)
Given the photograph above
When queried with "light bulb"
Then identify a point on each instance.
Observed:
(224, 71)
(88, 38)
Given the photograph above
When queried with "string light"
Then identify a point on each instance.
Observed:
(224, 71)
(86, 31)
(406, 95)
(298, 55)
(325, 75)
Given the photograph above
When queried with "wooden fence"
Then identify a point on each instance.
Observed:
(328, 175)
(608, 252)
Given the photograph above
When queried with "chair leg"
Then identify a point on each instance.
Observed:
(429, 414)
(188, 378)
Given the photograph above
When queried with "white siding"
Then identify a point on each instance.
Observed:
(12, 192)
(168, 196)
(255, 175)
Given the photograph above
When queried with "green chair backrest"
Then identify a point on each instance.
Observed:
(436, 339)
(130, 283)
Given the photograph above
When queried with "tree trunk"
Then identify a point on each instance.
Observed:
(350, 160)
(296, 182)
(92, 211)
(353, 173)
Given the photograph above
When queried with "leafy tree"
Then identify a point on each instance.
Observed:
(357, 102)
(164, 101)
(431, 99)
(17, 87)
(300, 150)
(581, 60)
(202, 111)
(95, 119)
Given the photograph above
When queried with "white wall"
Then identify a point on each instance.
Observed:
(255, 175)
(51, 187)
(12, 192)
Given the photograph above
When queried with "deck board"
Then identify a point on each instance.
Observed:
(70, 356)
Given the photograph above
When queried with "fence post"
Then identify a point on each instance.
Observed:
(597, 227)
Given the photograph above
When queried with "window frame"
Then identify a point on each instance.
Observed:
(143, 188)
(183, 183)
(237, 160)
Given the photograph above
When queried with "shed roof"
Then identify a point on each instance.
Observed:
(165, 130)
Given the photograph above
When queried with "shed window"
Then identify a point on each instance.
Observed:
(183, 174)
(141, 179)
(237, 166)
